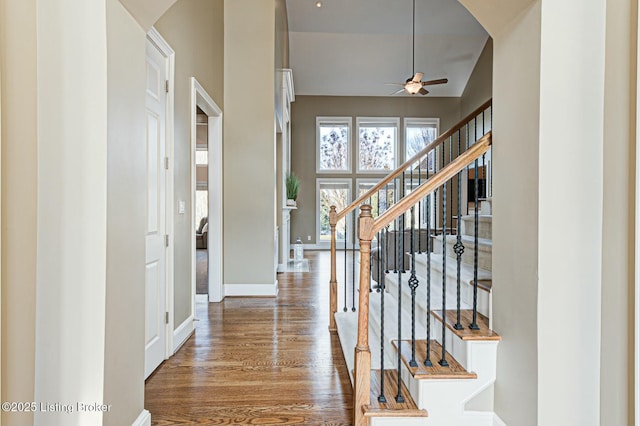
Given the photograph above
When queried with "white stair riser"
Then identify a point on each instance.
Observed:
(467, 226)
(484, 252)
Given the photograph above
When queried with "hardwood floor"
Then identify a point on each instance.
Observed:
(259, 361)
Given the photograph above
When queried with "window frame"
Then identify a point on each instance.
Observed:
(349, 183)
(326, 120)
(416, 122)
(392, 122)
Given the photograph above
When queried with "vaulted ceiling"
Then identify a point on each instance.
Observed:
(354, 47)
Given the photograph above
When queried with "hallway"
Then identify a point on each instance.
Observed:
(258, 361)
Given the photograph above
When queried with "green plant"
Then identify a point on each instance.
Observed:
(293, 186)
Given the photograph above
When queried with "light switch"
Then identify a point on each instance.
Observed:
(181, 207)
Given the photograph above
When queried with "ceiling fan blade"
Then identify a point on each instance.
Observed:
(394, 84)
(432, 82)
(417, 77)
(423, 91)
(397, 91)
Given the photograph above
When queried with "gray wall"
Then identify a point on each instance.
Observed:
(194, 29)
(249, 142)
(126, 186)
(480, 85)
(303, 143)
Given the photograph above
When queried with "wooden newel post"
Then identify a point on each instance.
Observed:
(333, 283)
(362, 374)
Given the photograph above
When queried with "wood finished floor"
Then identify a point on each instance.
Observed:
(258, 361)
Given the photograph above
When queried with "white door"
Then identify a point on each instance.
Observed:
(156, 251)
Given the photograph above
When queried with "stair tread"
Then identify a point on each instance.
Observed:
(453, 371)
(484, 333)
(390, 408)
(466, 271)
(481, 217)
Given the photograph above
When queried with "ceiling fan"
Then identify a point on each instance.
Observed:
(414, 84)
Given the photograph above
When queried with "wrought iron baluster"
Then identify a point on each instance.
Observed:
(346, 283)
(420, 205)
(400, 258)
(458, 248)
(427, 361)
(474, 324)
(382, 253)
(353, 265)
(443, 361)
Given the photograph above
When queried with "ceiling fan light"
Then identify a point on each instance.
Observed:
(318, 3)
(413, 87)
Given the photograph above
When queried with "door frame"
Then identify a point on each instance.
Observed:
(201, 99)
(169, 54)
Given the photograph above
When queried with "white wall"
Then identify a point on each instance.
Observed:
(249, 142)
(72, 207)
(570, 211)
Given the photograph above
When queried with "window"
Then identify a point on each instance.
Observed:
(377, 144)
(381, 200)
(418, 133)
(333, 140)
(336, 192)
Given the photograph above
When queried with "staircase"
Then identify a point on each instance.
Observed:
(425, 353)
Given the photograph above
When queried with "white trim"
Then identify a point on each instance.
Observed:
(381, 121)
(165, 49)
(265, 290)
(338, 121)
(497, 421)
(183, 332)
(144, 419)
(200, 98)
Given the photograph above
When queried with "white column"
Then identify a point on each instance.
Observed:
(71, 243)
(570, 209)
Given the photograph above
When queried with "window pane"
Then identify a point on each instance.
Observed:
(332, 194)
(377, 147)
(334, 147)
(202, 157)
(417, 138)
(202, 205)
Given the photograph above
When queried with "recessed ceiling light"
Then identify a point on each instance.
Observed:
(318, 3)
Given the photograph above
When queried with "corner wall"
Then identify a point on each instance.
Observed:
(516, 100)
(126, 207)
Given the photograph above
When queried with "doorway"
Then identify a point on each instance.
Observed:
(206, 190)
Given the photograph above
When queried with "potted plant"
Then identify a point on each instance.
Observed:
(293, 186)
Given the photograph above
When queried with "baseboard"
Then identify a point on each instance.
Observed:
(182, 333)
(264, 290)
(144, 419)
(497, 421)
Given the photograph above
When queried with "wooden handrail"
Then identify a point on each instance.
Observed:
(398, 171)
(447, 172)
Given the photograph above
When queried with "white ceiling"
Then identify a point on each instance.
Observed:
(353, 47)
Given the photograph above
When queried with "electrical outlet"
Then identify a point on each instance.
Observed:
(308, 237)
